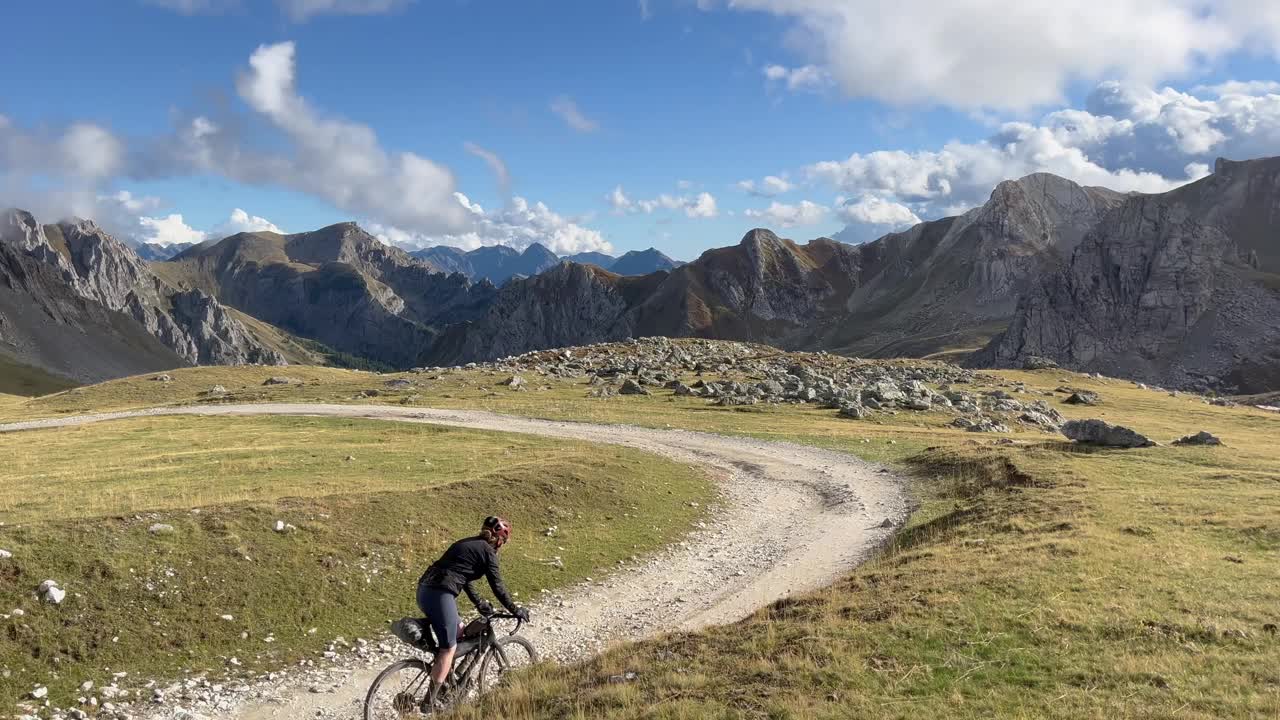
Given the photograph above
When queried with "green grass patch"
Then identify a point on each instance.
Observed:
(78, 505)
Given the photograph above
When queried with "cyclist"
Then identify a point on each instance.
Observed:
(465, 561)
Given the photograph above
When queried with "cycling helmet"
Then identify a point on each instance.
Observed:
(499, 528)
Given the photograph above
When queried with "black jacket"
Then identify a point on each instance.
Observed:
(463, 563)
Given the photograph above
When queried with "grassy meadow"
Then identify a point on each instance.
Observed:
(1036, 580)
(370, 504)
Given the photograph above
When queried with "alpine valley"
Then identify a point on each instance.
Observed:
(1179, 289)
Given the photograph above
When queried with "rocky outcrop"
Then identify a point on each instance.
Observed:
(1103, 434)
(1161, 291)
(85, 281)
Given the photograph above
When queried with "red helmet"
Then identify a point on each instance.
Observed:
(499, 528)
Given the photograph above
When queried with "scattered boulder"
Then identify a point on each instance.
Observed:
(163, 378)
(853, 411)
(217, 390)
(161, 529)
(1104, 434)
(683, 390)
(51, 593)
(631, 387)
(281, 380)
(1200, 438)
(987, 425)
(515, 382)
(399, 384)
(5, 554)
(1035, 362)
(1082, 397)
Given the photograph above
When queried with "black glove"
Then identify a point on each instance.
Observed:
(522, 613)
(485, 608)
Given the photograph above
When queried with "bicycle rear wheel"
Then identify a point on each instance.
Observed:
(398, 691)
(507, 655)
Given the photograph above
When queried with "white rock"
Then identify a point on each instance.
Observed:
(5, 554)
(228, 618)
(160, 529)
(39, 692)
(86, 686)
(280, 526)
(44, 586)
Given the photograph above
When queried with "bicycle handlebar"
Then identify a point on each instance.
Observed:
(508, 616)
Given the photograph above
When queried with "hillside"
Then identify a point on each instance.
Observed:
(1180, 289)
(339, 286)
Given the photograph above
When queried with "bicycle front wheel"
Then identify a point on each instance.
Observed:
(506, 656)
(398, 691)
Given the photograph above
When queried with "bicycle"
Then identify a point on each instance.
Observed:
(480, 662)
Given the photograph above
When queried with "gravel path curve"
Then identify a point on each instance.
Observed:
(793, 518)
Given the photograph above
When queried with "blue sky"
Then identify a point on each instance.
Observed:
(621, 124)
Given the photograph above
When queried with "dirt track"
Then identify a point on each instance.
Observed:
(794, 518)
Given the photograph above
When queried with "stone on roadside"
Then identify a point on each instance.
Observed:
(1103, 434)
(1200, 438)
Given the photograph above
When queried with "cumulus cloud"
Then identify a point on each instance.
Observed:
(168, 230)
(518, 225)
(567, 109)
(241, 221)
(702, 205)
(784, 215)
(871, 217)
(495, 164)
(993, 54)
(770, 186)
(1128, 138)
(333, 159)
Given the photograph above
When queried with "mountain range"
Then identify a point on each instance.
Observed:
(1179, 288)
(499, 264)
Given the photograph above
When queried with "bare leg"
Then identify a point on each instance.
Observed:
(443, 664)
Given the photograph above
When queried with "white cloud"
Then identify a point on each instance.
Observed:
(808, 77)
(702, 205)
(1238, 87)
(303, 10)
(339, 161)
(494, 162)
(241, 221)
(995, 54)
(784, 215)
(770, 186)
(871, 217)
(518, 225)
(167, 230)
(646, 12)
(567, 109)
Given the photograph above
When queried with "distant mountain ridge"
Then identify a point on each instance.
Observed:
(1180, 288)
(499, 264)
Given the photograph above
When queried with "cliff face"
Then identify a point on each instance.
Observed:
(1172, 289)
(72, 282)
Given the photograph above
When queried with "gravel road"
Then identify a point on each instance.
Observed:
(792, 518)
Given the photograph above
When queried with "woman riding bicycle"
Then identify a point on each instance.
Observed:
(464, 562)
